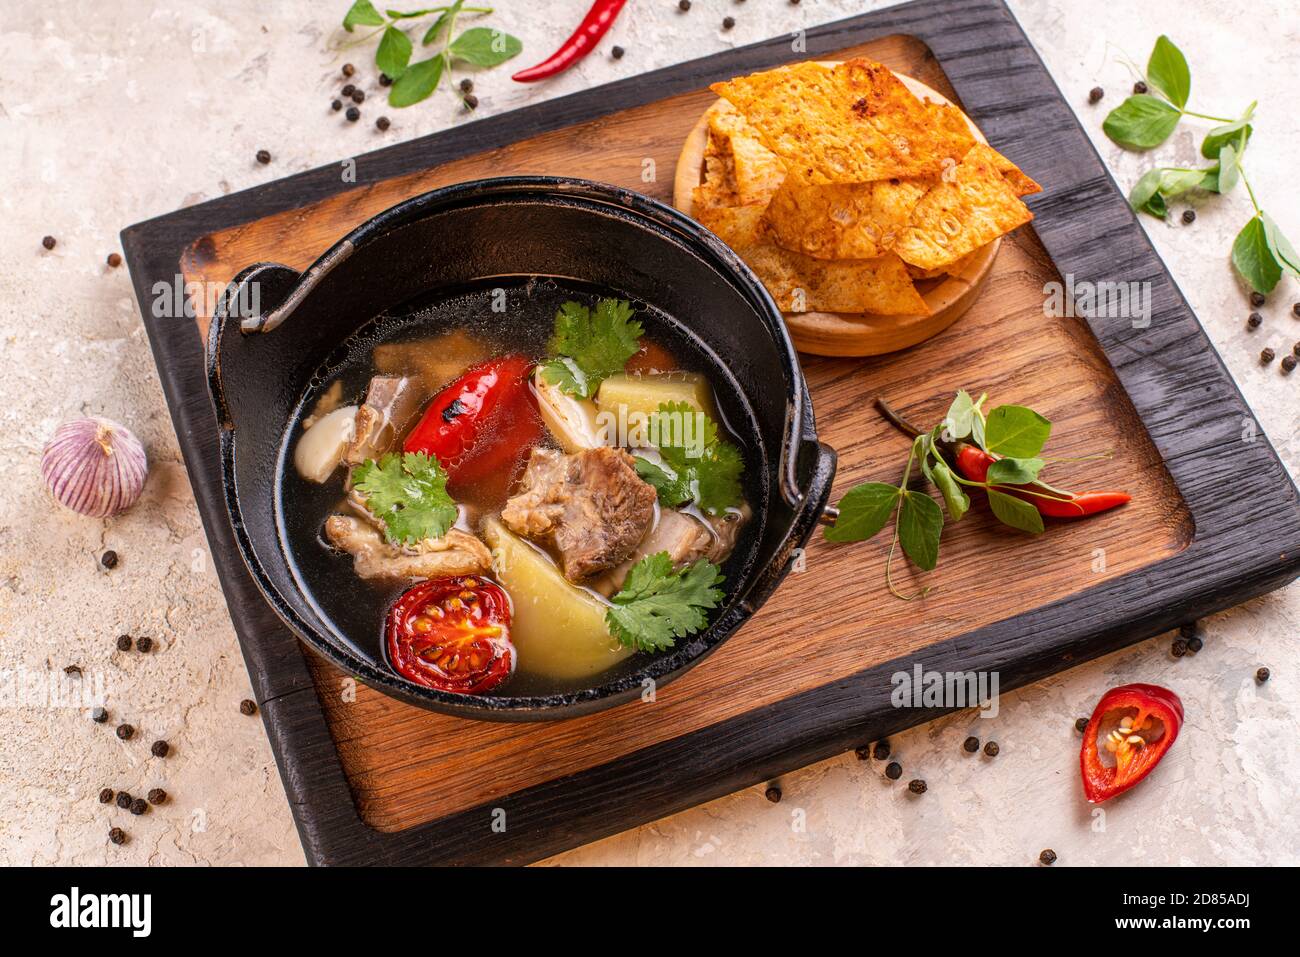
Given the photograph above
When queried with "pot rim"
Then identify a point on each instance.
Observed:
(799, 429)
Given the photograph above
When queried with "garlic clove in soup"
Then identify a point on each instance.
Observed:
(320, 448)
(94, 466)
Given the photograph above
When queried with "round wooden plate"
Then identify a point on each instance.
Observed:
(859, 334)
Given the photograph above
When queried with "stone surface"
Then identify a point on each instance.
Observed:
(109, 116)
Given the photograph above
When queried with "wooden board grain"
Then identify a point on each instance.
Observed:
(1216, 519)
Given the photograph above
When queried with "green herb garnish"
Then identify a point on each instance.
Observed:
(408, 493)
(588, 346)
(657, 604)
(701, 468)
(413, 82)
(1260, 253)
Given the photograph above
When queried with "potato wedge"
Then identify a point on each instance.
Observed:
(645, 393)
(558, 629)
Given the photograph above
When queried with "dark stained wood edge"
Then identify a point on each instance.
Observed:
(1245, 508)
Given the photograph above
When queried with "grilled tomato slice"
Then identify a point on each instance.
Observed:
(452, 634)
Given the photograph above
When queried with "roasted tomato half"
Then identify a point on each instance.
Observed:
(452, 634)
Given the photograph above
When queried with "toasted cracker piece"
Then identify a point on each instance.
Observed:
(970, 206)
(854, 123)
(737, 226)
(758, 172)
(844, 220)
(803, 284)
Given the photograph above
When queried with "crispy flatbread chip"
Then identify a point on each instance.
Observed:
(843, 220)
(951, 269)
(951, 118)
(719, 185)
(737, 226)
(803, 284)
(972, 204)
(757, 171)
(854, 123)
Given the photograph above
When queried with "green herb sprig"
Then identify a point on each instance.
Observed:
(590, 345)
(658, 604)
(408, 493)
(710, 479)
(413, 82)
(1261, 254)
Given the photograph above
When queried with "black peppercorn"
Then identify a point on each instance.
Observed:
(336, 105)
(471, 101)
(992, 749)
(247, 707)
(1139, 87)
(160, 749)
(263, 157)
(106, 796)
(124, 800)
(916, 786)
(1253, 320)
(383, 123)
(971, 744)
(1267, 356)
(893, 770)
(728, 22)
(1178, 648)
(1189, 217)
(114, 260)
(794, 3)
(863, 752)
(72, 669)
(385, 80)
(358, 96)
(48, 242)
(348, 89)
(773, 794)
(348, 69)
(123, 642)
(1262, 675)
(157, 796)
(881, 750)
(117, 835)
(1095, 94)
(1081, 725)
(683, 5)
(108, 559)
(1288, 364)
(353, 114)
(1189, 629)
(617, 53)
(1295, 349)
(99, 715)
(1295, 310)
(144, 644)
(467, 85)
(139, 806)
(1194, 644)
(1257, 299)
(124, 731)
(1048, 857)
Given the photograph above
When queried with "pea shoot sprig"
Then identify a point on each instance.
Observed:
(1261, 254)
(412, 82)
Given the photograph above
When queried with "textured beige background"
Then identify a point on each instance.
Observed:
(111, 113)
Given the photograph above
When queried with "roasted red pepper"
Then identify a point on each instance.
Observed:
(482, 422)
(584, 39)
(1141, 724)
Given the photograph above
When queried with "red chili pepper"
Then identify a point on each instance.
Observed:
(1156, 716)
(482, 421)
(584, 39)
(973, 463)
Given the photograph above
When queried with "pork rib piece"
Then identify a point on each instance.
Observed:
(456, 553)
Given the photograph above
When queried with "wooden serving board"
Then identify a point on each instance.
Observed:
(1214, 520)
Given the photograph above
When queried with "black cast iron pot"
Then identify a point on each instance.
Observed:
(264, 363)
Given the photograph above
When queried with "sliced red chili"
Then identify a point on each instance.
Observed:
(1141, 723)
(452, 634)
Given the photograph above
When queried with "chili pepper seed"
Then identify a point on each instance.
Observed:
(114, 260)
(971, 744)
(916, 786)
(1081, 725)
(1262, 675)
(117, 835)
(1095, 94)
(893, 771)
(881, 750)
(123, 642)
(1048, 857)
(48, 242)
(773, 794)
(617, 53)
(1189, 217)
(247, 707)
(992, 749)
(108, 559)
(1257, 299)
(1253, 320)
(160, 749)
(106, 796)
(124, 800)
(263, 157)
(157, 796)
(353, 114)
(1288, 364)
(139, 806)
(99, 715)
(1267, 356)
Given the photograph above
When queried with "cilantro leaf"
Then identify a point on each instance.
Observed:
(408, 493)
(590, 346)
(697, 466)
(657, 604)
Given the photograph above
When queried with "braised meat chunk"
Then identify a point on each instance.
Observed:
(456, 553)
(590, 507)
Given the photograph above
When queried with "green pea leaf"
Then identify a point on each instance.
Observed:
(482, 46)
(864, 510)
(394, 52)
(1175, 182)
(1281, 248)
(1238, 134)
(1253, 258)
(920, 522)
(399, 15)
(1167, 71)
(954, 496)
(363, 14)
(1141, 122)
(1013, 471)
(1015, 512)
(960, 418)
(1144, 189)
(417, 82)
(1229, 169)
(1016, 431)
(444, 18)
